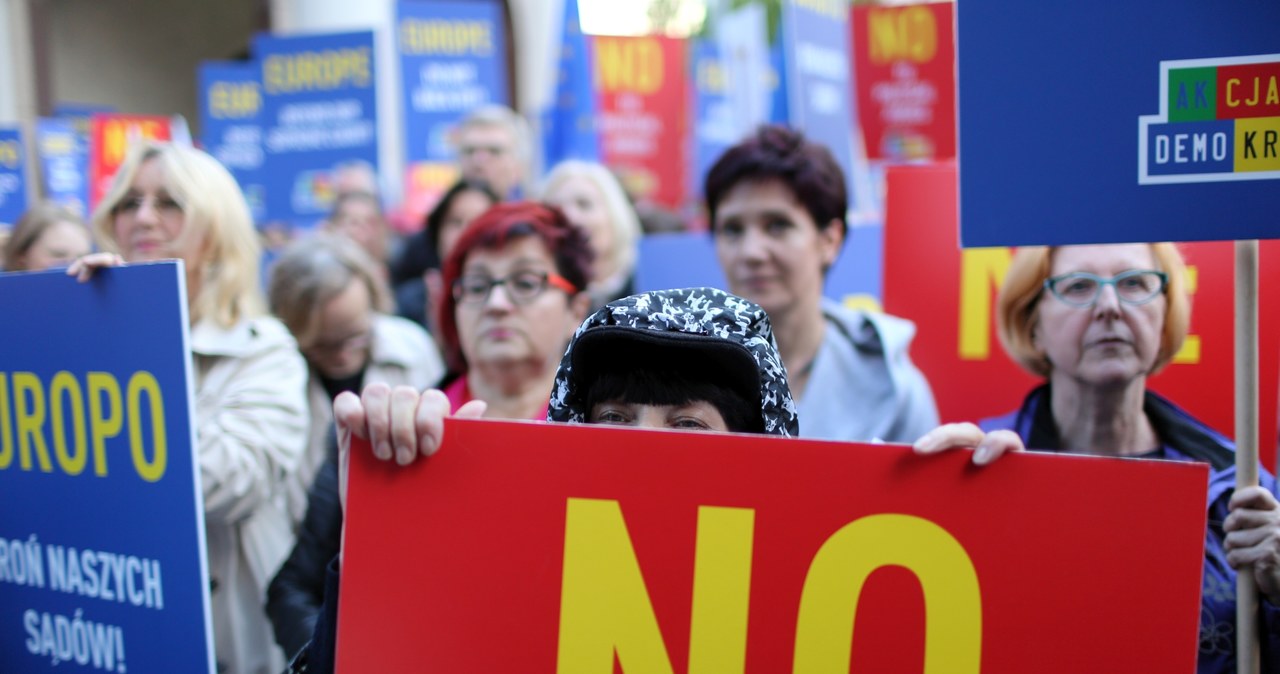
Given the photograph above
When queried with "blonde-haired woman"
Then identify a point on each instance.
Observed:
(592, 199)
(169, 201)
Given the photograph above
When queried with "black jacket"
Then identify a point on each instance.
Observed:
(296, 593)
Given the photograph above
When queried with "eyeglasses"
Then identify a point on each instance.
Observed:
(522, 286)
(164, 205)
(1081, 289)
(474, 150)
(356, 342)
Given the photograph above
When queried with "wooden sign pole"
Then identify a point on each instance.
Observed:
(1247, 653)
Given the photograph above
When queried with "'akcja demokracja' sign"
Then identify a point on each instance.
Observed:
(1219, 120)
(1169, 133)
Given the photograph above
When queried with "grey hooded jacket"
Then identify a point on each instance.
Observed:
(863, 384)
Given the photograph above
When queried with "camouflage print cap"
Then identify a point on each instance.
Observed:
(733, 335)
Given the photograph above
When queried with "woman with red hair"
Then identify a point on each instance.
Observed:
(514, 281)
(514, 285)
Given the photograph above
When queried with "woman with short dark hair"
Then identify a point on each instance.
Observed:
(777, 207)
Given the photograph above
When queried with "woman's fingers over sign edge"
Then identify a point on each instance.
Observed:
(473, 409)
(995, 445)
(377, 409)
(83, 267)
(433, 407)
(987, 446)
(348, 413)
(949, 436)
(404, 432)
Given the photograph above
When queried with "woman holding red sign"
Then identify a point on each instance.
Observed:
(696, 359)
(1095, 322)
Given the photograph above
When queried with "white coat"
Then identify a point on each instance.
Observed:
(251, 429)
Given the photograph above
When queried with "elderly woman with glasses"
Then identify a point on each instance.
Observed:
(1095, 322)
(516, 277)
(515, 283)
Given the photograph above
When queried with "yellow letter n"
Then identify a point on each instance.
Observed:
(605, 607)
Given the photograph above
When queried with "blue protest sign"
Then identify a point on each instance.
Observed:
(1161, 136)
(452, 59)
(231, 125)
(742, 38)
(815, 44)
(717, 122)
(64, 162)
(102, 550)
(13, 184)
(319, 118)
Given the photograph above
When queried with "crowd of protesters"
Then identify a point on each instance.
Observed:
(473, 314)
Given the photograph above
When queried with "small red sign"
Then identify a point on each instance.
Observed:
(904, 66)
(109, 141)
(643, 97)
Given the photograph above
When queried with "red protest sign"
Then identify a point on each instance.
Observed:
(643, 99)
(109, 138)
(950, 295)
(904, 65)
(539, 547)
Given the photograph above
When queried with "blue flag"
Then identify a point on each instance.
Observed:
(568, 124)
